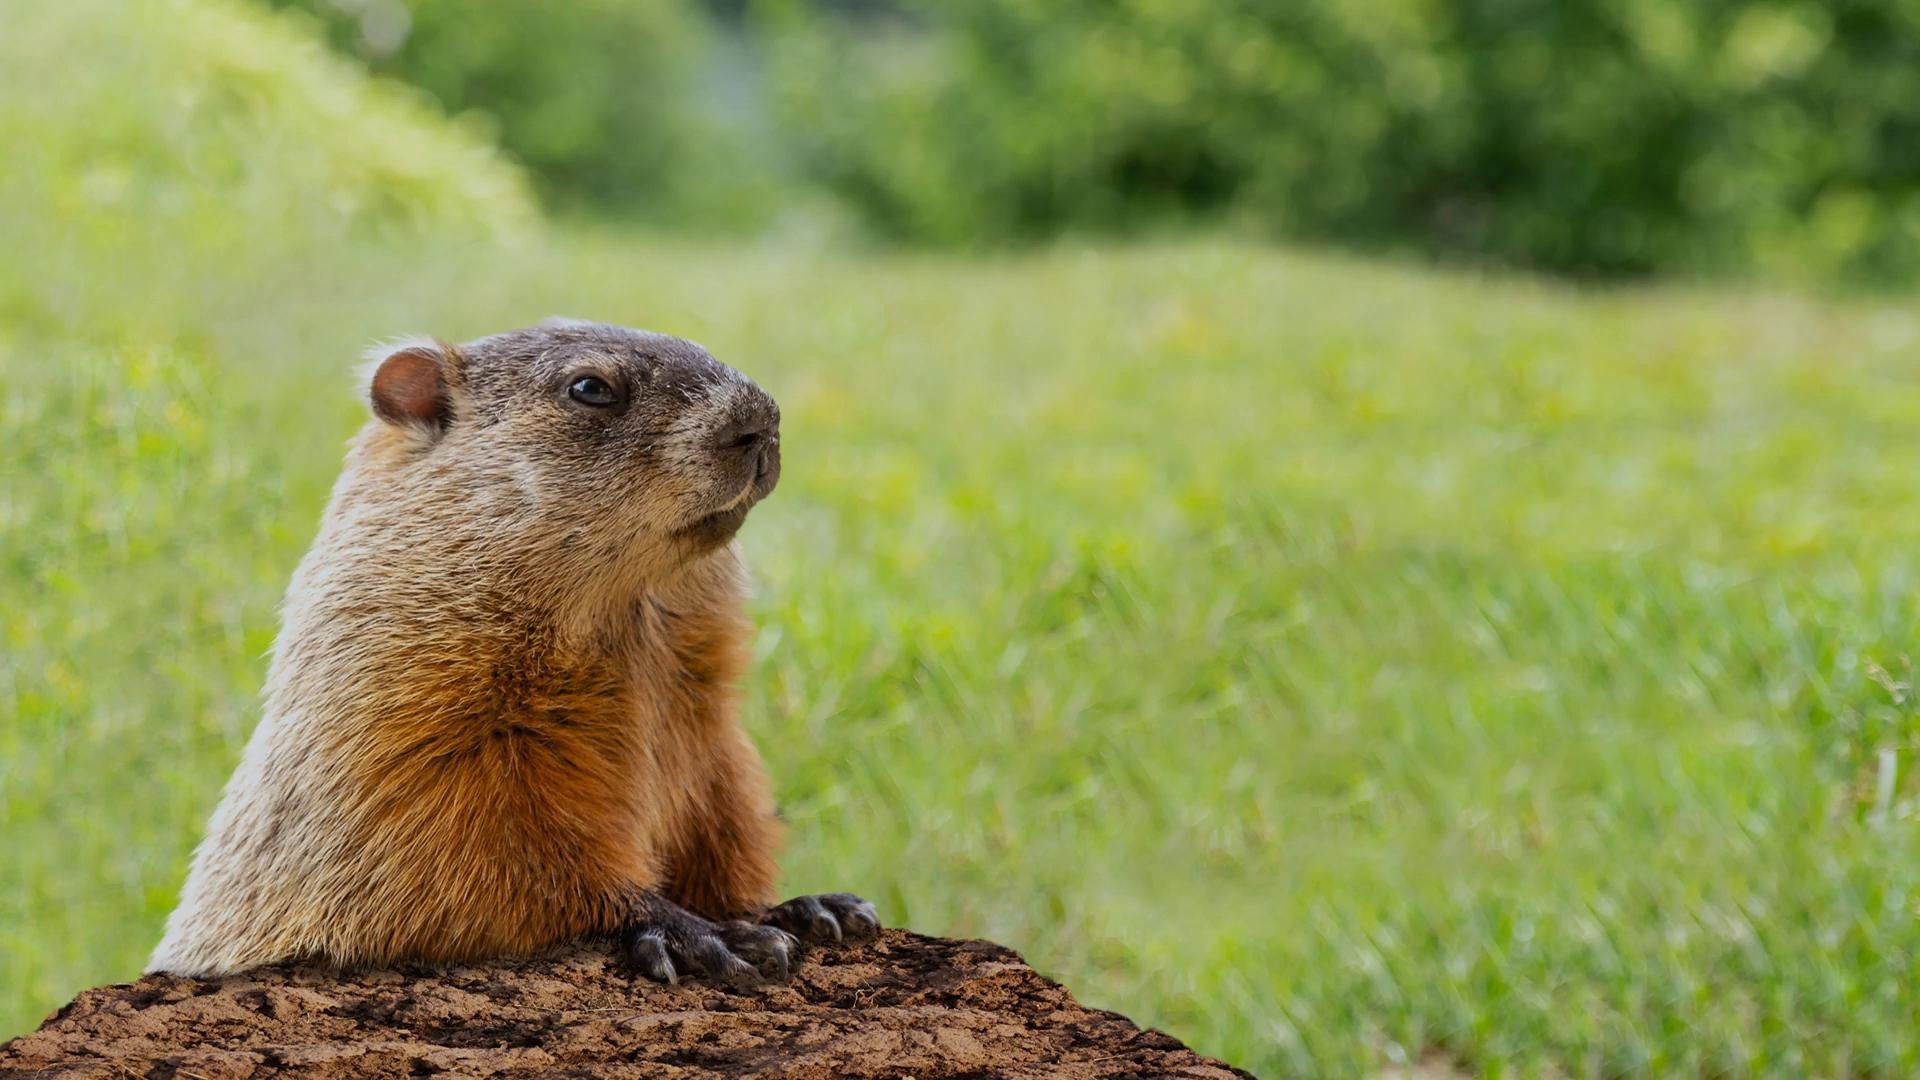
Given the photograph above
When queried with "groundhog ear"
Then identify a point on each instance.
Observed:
(410, 386)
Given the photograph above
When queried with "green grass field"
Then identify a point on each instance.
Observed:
(1337, 665)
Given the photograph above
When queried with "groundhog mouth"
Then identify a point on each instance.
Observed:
(718, 527)
(728, 519)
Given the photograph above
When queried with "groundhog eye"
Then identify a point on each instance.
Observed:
(588, 390)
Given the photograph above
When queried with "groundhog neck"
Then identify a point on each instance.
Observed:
(376, 624)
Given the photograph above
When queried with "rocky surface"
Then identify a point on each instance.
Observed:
(904, 1005)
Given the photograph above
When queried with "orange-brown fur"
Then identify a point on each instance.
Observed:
(492, 718)
(542, 785)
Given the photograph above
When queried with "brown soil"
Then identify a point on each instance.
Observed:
(903, 1006)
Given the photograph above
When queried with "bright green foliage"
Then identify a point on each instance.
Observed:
(208, 119)
(606, 101)
(1592, 136)
(178, 139)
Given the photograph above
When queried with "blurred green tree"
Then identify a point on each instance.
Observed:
(1595, 137)
(1592, 136)
(607, 102)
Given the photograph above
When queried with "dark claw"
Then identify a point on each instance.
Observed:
(806, 915)
(826, 917)
(860, 919)
(664, 941)
(770, 950)
(856, 917)
(647, 949)
(718, 963)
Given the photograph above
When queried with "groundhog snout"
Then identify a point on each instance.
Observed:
(750, 435)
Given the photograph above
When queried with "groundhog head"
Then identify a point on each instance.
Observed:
(575, 440)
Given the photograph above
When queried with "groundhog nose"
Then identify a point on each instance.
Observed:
(746, 436)
(751, 435)
(754, 425)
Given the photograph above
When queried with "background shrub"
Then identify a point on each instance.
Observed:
(1582, 136)
(615, 105)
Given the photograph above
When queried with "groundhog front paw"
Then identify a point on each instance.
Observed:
(770, 950)
(826, 917)
(665, 942)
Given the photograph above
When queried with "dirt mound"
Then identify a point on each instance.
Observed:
(904, 1005)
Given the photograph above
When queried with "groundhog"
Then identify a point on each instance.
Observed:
(501, 708)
